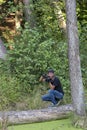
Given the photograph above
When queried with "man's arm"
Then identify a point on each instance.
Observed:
(41, 79)
(51, 86)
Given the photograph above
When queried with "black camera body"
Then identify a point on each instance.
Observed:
(47, 78)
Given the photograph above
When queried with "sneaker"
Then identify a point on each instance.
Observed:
(58, 103)
(55, 105)
(52, 105)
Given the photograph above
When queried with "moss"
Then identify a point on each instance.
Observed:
(64, 124)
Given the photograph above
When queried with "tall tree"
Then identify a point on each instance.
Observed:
(17, 15)
(28, 12)
(74, 59)
(59, 16)
(2, 50)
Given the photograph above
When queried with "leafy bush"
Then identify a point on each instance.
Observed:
(33, 54)
(9, 91)
(83, 51)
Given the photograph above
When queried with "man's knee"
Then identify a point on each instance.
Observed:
(42, 98)
(61, 96)
(51, 91)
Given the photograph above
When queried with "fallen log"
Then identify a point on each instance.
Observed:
(32, 116)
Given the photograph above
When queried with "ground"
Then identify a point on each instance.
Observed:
(65, 124)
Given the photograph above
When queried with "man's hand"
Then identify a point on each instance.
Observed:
(41, 79)
(51, 86)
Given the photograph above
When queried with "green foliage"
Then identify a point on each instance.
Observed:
(34, 51)
(82, 26)
(4, 9)
(46, 18)
(33, 54)
(9, 91)
(37, 49)
(2, 1)
(15, 6)
(83, 51)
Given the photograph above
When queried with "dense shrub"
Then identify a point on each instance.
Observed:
(83, 51)
(9, 91)
(35, 50)
(33, 54)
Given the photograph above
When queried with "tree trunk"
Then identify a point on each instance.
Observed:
(2, 50)
(60, 17)
(31, 116)
(74, 59)
(28, 12)
(18, 15)
(17, 20)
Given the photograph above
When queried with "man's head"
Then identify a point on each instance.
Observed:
(51, 73)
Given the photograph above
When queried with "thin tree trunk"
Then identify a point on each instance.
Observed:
(17, 16)
(74, 59)
(17, 20)
(28, 12)
(3, 51)
(60, 17)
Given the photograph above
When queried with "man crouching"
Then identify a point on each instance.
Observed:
(55, 93)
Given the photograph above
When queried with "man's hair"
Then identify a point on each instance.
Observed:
(50, 71)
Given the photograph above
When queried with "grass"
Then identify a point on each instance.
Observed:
(64, 124)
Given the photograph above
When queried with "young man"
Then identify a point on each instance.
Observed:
(55, 93)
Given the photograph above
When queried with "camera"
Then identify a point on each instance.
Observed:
(47, 78)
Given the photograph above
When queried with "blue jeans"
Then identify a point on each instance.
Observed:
(52, 95)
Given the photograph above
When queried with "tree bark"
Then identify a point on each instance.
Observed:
(28, 13)
(3, 51)
(74, 59)
(31, 116)
(18, 15)
(60, 17)
(17, 20)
